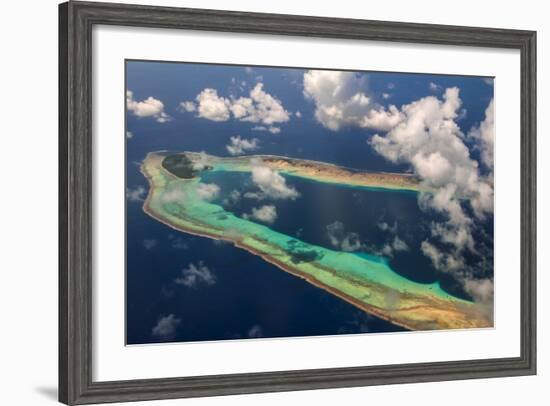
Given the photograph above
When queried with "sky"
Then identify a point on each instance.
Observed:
(437, 127)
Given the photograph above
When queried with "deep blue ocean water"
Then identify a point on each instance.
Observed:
(250, 296)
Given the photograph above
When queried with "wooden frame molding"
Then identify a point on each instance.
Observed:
(76, 20)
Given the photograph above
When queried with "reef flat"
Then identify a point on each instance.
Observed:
(365, 281)
(307, 169)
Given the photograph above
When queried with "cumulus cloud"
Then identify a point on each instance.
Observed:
(298, 114)
(255, 331)
(136, 195)
(211, 106)
(208, 191)
(173, 195)
(196, 275)
(188, 106)
(351, 241)
(270, 183)
(340, 238)
(341, 99)
(485, 135)
(129, 135)
(166, 326)
(381, 119)
(384, 226)
(265, 214)
(425, 135)
(480, 289)
(238, 145)
(149, 107)
(434, 87)
(201, 161)
(271, 129)
(233, 198)
(258, 107)
(399, 245)
(179, 244)
(150, 244)
(396, 245)
(429, 139)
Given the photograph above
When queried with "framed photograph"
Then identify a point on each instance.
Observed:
(257, 202)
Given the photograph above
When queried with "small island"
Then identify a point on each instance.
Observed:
(366, 281)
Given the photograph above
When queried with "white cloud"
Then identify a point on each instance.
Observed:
(166, 326)
(341, 99)
(399, 245)
(480, 289)
(202, 161)
(136, 195)
(339, 238)
(259, 107)
(195, 275)
(425, 135)
(129, 135)
(235, 195)
(173, 195)
(265, 214)
(271, 129)
(188, 106)
(386, 96)
(442, 261)
(233, 198)
(149, 107)
(429, 139)
(208, 191)
(179, 244)
(350, 241)
(213, 107)
(298, 114)
(381, 119)
(150, 244)
(485, 135)
(384, 226)
(396, 245)
(238, 145)
(255, 331)
(271, 183)
(434, 87)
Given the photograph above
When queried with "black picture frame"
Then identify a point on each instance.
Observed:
(76, 20)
